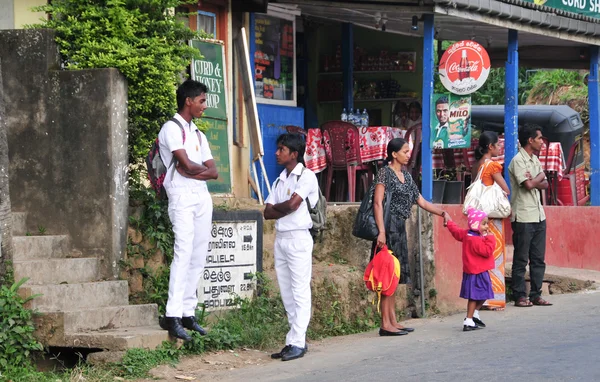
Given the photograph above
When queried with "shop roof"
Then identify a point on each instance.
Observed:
(488, 20)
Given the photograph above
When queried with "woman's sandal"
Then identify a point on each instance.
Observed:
(541, 301)
(523, 302)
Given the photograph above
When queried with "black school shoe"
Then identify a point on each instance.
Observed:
(175, 327)
(467, 328)
(282, 352)
(294, 352)
(478, 322)
(191, 323)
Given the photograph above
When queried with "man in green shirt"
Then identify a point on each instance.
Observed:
(527, 178)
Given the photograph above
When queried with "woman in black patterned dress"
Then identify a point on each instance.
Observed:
(404, 194)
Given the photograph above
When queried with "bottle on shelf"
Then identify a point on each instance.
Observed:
(351, 116)
(344, 116)
(364, 118)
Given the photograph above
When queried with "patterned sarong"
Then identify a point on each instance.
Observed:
(497, 274)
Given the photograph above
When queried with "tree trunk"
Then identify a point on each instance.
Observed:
(6, 250)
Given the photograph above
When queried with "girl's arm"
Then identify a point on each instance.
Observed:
(457, 232)
(485, 247)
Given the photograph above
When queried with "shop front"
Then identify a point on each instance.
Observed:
(356, 59)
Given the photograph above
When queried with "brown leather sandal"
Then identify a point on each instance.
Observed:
(540, 301)
(523, 302)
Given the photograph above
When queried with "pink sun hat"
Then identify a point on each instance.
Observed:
(474, 218)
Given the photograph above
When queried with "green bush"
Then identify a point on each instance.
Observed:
(545, 82)
(17, 343)
(142, 39)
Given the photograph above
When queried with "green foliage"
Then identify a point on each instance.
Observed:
(492, 92)
(154, 222)
(545, 82)
(138, 362)
(17, 343)
(328, 312)
(259, 323)
(142, 39)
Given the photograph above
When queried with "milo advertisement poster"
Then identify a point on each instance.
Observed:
(451, 122)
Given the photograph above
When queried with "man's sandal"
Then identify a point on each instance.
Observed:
(523, 302)
(541, 302)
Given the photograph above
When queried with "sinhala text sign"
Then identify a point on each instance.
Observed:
(234, 256)
(464, 67)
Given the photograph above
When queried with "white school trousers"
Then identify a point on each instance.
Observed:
(293, 265)
(190, 211)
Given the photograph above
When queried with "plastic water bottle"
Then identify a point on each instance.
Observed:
(365, 118)
(351, 116)
(344, 116)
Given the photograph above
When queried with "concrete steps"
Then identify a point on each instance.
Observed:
(109, 318)
(63, 297)
(148, 337)
(41, 247)
(76, 309)
(19, 223)
(57, 271)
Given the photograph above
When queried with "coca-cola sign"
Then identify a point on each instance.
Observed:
(464, 67)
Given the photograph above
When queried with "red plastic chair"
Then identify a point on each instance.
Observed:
(295, 129)
(571, 190)
(344, 146)
(547, 195)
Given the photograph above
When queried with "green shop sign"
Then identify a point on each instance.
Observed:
(590, 8)
(210, 71)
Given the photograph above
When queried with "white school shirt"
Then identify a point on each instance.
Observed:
(306, 186)
(170, 139)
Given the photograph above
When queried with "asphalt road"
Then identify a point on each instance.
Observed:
(557, 343)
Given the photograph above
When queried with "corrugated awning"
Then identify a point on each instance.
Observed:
(488, 20)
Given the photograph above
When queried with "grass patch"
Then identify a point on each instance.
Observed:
(260, 323)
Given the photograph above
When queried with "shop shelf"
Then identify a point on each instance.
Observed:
(375, 100)
(367, 72)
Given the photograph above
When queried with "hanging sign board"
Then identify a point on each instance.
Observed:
(582, 7)
(234, 257)
(464, 67)
(451, 118)
(210, 70)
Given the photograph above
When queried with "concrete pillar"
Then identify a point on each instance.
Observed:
(7, 14)
(594, 108)
(428, 69)
(511, 101)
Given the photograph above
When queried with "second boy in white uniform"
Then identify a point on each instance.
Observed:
(293, 242)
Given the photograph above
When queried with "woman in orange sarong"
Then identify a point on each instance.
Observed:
(492, 172)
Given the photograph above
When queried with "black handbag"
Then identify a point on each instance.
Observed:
(365, 226)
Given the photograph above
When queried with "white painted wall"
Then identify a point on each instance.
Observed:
(23, 14)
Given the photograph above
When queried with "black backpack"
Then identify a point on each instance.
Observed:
(318, 213)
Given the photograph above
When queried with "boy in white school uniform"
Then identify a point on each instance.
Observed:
(190, 205)
(293, 242)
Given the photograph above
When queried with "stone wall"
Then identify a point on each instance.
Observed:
(339, 262)
(67, 142)
(5, 216)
